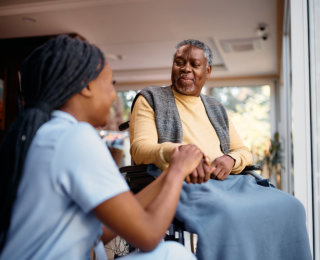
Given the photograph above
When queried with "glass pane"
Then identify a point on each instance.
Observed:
(126, 98)
(249, 110)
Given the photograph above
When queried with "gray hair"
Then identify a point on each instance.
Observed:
(206, 50)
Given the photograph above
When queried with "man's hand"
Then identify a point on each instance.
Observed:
(222, 167)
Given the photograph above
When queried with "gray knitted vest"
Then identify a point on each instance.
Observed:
(168, 121)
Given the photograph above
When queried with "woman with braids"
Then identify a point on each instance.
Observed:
(59, 182)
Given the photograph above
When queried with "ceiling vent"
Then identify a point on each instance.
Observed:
(241, 45)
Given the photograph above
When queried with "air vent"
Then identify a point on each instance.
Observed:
(241, 45)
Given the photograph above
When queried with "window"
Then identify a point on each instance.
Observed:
(249, 110)
(127, 98)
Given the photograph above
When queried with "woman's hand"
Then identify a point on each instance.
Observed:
(185, 159)
(202, 173)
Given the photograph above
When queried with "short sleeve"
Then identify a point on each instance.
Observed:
(86, 170)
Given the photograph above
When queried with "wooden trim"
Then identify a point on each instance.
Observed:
(267, 77)
(240, 80)
(280, 16)
(135, 85)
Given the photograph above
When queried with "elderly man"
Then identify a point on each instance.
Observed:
(236, 218)
(197, 119)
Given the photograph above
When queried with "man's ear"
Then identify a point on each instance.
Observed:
(209, 71)
(86, 91)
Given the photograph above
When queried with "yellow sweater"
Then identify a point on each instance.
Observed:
(196, 129)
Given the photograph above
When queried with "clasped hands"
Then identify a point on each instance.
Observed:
(219, 169)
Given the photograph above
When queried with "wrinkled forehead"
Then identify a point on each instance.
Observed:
(190, 51)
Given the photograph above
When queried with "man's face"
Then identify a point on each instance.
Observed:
(189, 70)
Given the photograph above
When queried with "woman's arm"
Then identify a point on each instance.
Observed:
(145, 196)
(144, 223)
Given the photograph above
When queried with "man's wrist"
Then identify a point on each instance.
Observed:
(234, 160)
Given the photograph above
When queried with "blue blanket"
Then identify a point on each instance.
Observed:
(237, 219)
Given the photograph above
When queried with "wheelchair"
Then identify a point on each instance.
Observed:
(139, 176)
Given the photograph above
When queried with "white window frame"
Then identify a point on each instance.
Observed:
(284, 105)
(301, 109)
(285, 118)
(314, 37)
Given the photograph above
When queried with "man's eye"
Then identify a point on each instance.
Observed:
(179, 62)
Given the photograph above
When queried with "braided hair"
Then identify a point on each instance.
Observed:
(50, 76)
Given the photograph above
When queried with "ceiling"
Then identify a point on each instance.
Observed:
(139, 36)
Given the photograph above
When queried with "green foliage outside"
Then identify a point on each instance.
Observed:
(249, 110)
(126, 98)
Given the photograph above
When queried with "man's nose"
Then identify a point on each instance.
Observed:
(186, 67)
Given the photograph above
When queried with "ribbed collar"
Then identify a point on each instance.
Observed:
(192, 100)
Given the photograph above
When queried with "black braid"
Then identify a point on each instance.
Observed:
(50, 75)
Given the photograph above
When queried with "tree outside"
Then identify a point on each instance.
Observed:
(249, 110)
(127, 99)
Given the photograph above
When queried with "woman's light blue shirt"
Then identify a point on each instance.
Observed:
(68, 172)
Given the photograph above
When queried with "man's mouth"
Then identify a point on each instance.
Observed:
(186, 79)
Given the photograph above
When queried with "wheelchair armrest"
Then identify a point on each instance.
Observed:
(254, 174)
(124, 126)
(252, 168)
(139, 176)
(251, 171)
(133, 168)
(150, 169)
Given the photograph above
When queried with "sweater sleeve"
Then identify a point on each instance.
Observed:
(144, 137)
(238, 150)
